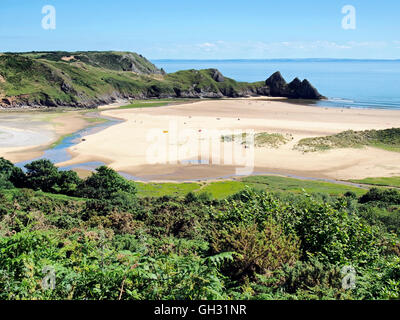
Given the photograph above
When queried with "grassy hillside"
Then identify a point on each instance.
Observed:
(89, 79)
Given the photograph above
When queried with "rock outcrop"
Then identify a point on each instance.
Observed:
(295, 90)
(217, 75)
(277, 85)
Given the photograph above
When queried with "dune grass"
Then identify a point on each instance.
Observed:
(262, 139)
(387, 139)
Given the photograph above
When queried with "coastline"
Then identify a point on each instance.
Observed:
(128, 155)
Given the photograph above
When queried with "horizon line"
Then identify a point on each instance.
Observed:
(277, 59)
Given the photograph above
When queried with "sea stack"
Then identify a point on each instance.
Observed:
(295, 90)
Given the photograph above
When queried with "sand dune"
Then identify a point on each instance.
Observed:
(125, 146)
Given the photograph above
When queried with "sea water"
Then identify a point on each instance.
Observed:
(346, 83)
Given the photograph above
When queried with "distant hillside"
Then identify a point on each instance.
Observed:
(89, 79)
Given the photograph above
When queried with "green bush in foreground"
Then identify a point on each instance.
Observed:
(254, 245)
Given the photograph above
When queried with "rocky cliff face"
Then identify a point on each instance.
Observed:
(295, 90)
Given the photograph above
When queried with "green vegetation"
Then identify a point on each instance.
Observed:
(262, 139)
(165, 189)
(385, 181)
(214, 190)
(387, 139)
(60, 140)
(137, 105)
(103, 242)
(271, 139)
(223, 189)
(283, 184)
(91, 120)
(89, 79)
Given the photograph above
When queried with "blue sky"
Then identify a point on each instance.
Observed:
(205, 29)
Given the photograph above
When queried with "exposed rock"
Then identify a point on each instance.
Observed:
(307, 91)
(295, 84)
(217, 76)
(67, 88)
(277, 85)
(264, 91)
(296, 89)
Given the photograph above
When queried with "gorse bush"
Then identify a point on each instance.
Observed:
(256, 252)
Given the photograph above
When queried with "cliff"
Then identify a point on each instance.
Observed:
(90, 79)
(295, 90)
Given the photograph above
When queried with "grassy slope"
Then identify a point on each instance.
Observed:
(43, 78)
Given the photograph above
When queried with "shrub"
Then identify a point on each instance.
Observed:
(256, 251)
(190, 197)
(388, 196)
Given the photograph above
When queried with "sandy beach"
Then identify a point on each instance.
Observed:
(126, 146)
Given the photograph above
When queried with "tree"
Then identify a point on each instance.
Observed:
(105, 183)
(6, 168)
(42, 175)
(68, 182)
(10, 175)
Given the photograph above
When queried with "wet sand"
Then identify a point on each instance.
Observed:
(25, 136)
